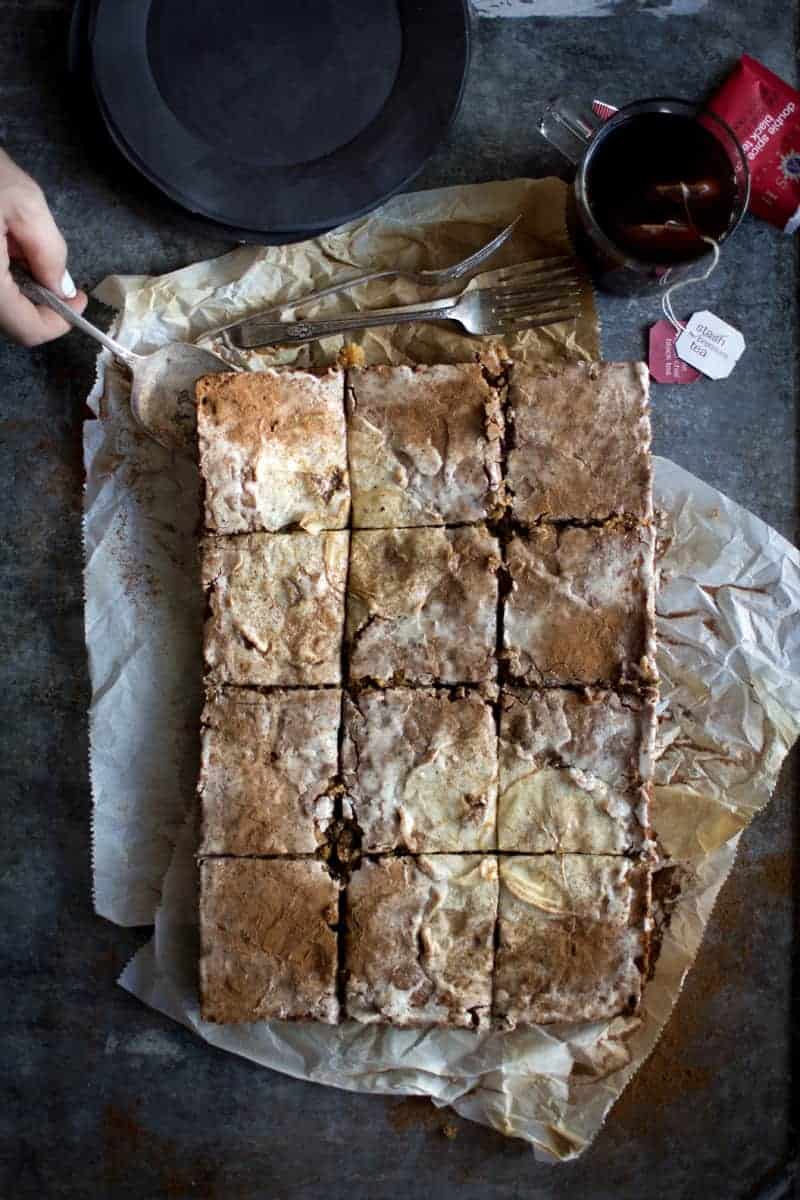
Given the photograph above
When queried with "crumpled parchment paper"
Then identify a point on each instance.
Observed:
(729, 656)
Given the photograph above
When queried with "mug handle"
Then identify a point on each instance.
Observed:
(568, 128)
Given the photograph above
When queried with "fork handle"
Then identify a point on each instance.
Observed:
(246, 327)
(37, 293)
(343, 285)
(260, 332)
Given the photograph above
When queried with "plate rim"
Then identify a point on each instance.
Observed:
(300, 230)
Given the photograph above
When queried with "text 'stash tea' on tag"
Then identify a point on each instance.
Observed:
(710, 345)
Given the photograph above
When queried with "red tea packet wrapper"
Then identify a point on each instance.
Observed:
(764, 113)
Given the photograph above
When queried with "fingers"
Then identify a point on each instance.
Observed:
(27, 323)
(30, 223)
(28, 231)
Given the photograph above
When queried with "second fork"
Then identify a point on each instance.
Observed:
(541, 292)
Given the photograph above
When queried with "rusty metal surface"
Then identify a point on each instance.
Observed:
(103, 1097)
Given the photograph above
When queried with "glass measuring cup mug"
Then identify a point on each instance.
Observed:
(651, 183)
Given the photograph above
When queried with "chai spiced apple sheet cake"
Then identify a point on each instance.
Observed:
(429, 719)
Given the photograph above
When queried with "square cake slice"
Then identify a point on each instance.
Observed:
(273, 451)
(574, 771)
(268, 770)
(573, 938)
(581, 608)
(267, 940)
(420, 770)
(422, 606)
(420, 938)
(581, 439)
(424, 445)
(276, 607)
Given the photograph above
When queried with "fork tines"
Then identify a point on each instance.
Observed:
(535, 266)
(536, 293)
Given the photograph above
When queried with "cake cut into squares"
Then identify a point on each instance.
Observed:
(268, 770)
(420, 770)
(573, 938)
(581, 447)
(268, 946)
(581, 608)
(276, 607)
(422, 606)
(273, 451)
(574, 771)
(420, 940)
(424, 445)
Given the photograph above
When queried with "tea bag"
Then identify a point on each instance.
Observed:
(706, 343)
(661, 238)
(651, 217)
(697, 191)
(677, 233)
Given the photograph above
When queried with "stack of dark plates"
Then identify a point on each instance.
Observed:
(275, 121)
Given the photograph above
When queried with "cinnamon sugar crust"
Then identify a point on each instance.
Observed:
(420, 940)
(581, 609)
(573, 938)
(276, 607)
(268, 770)
(268, 946)
(581, 442)
(422, 606)
(493, 833)
(424, 445)
(420, 770)
(273, 451)
(574, 770)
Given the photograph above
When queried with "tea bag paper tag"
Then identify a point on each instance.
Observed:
(710, 345)
(663, 361)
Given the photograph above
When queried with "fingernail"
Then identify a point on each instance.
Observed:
(68, 289)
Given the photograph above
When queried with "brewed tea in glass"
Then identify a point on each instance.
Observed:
(652, 183)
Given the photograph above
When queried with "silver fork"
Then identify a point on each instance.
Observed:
(429, 278)
(528, 295)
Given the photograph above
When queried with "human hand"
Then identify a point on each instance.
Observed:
(28, 232)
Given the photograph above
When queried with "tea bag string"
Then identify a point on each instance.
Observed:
(666, 299)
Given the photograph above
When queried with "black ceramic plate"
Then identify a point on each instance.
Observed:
(104, 142)
(193, 220)
(279, 118)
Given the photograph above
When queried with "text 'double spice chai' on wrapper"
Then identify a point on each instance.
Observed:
(764, 113)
